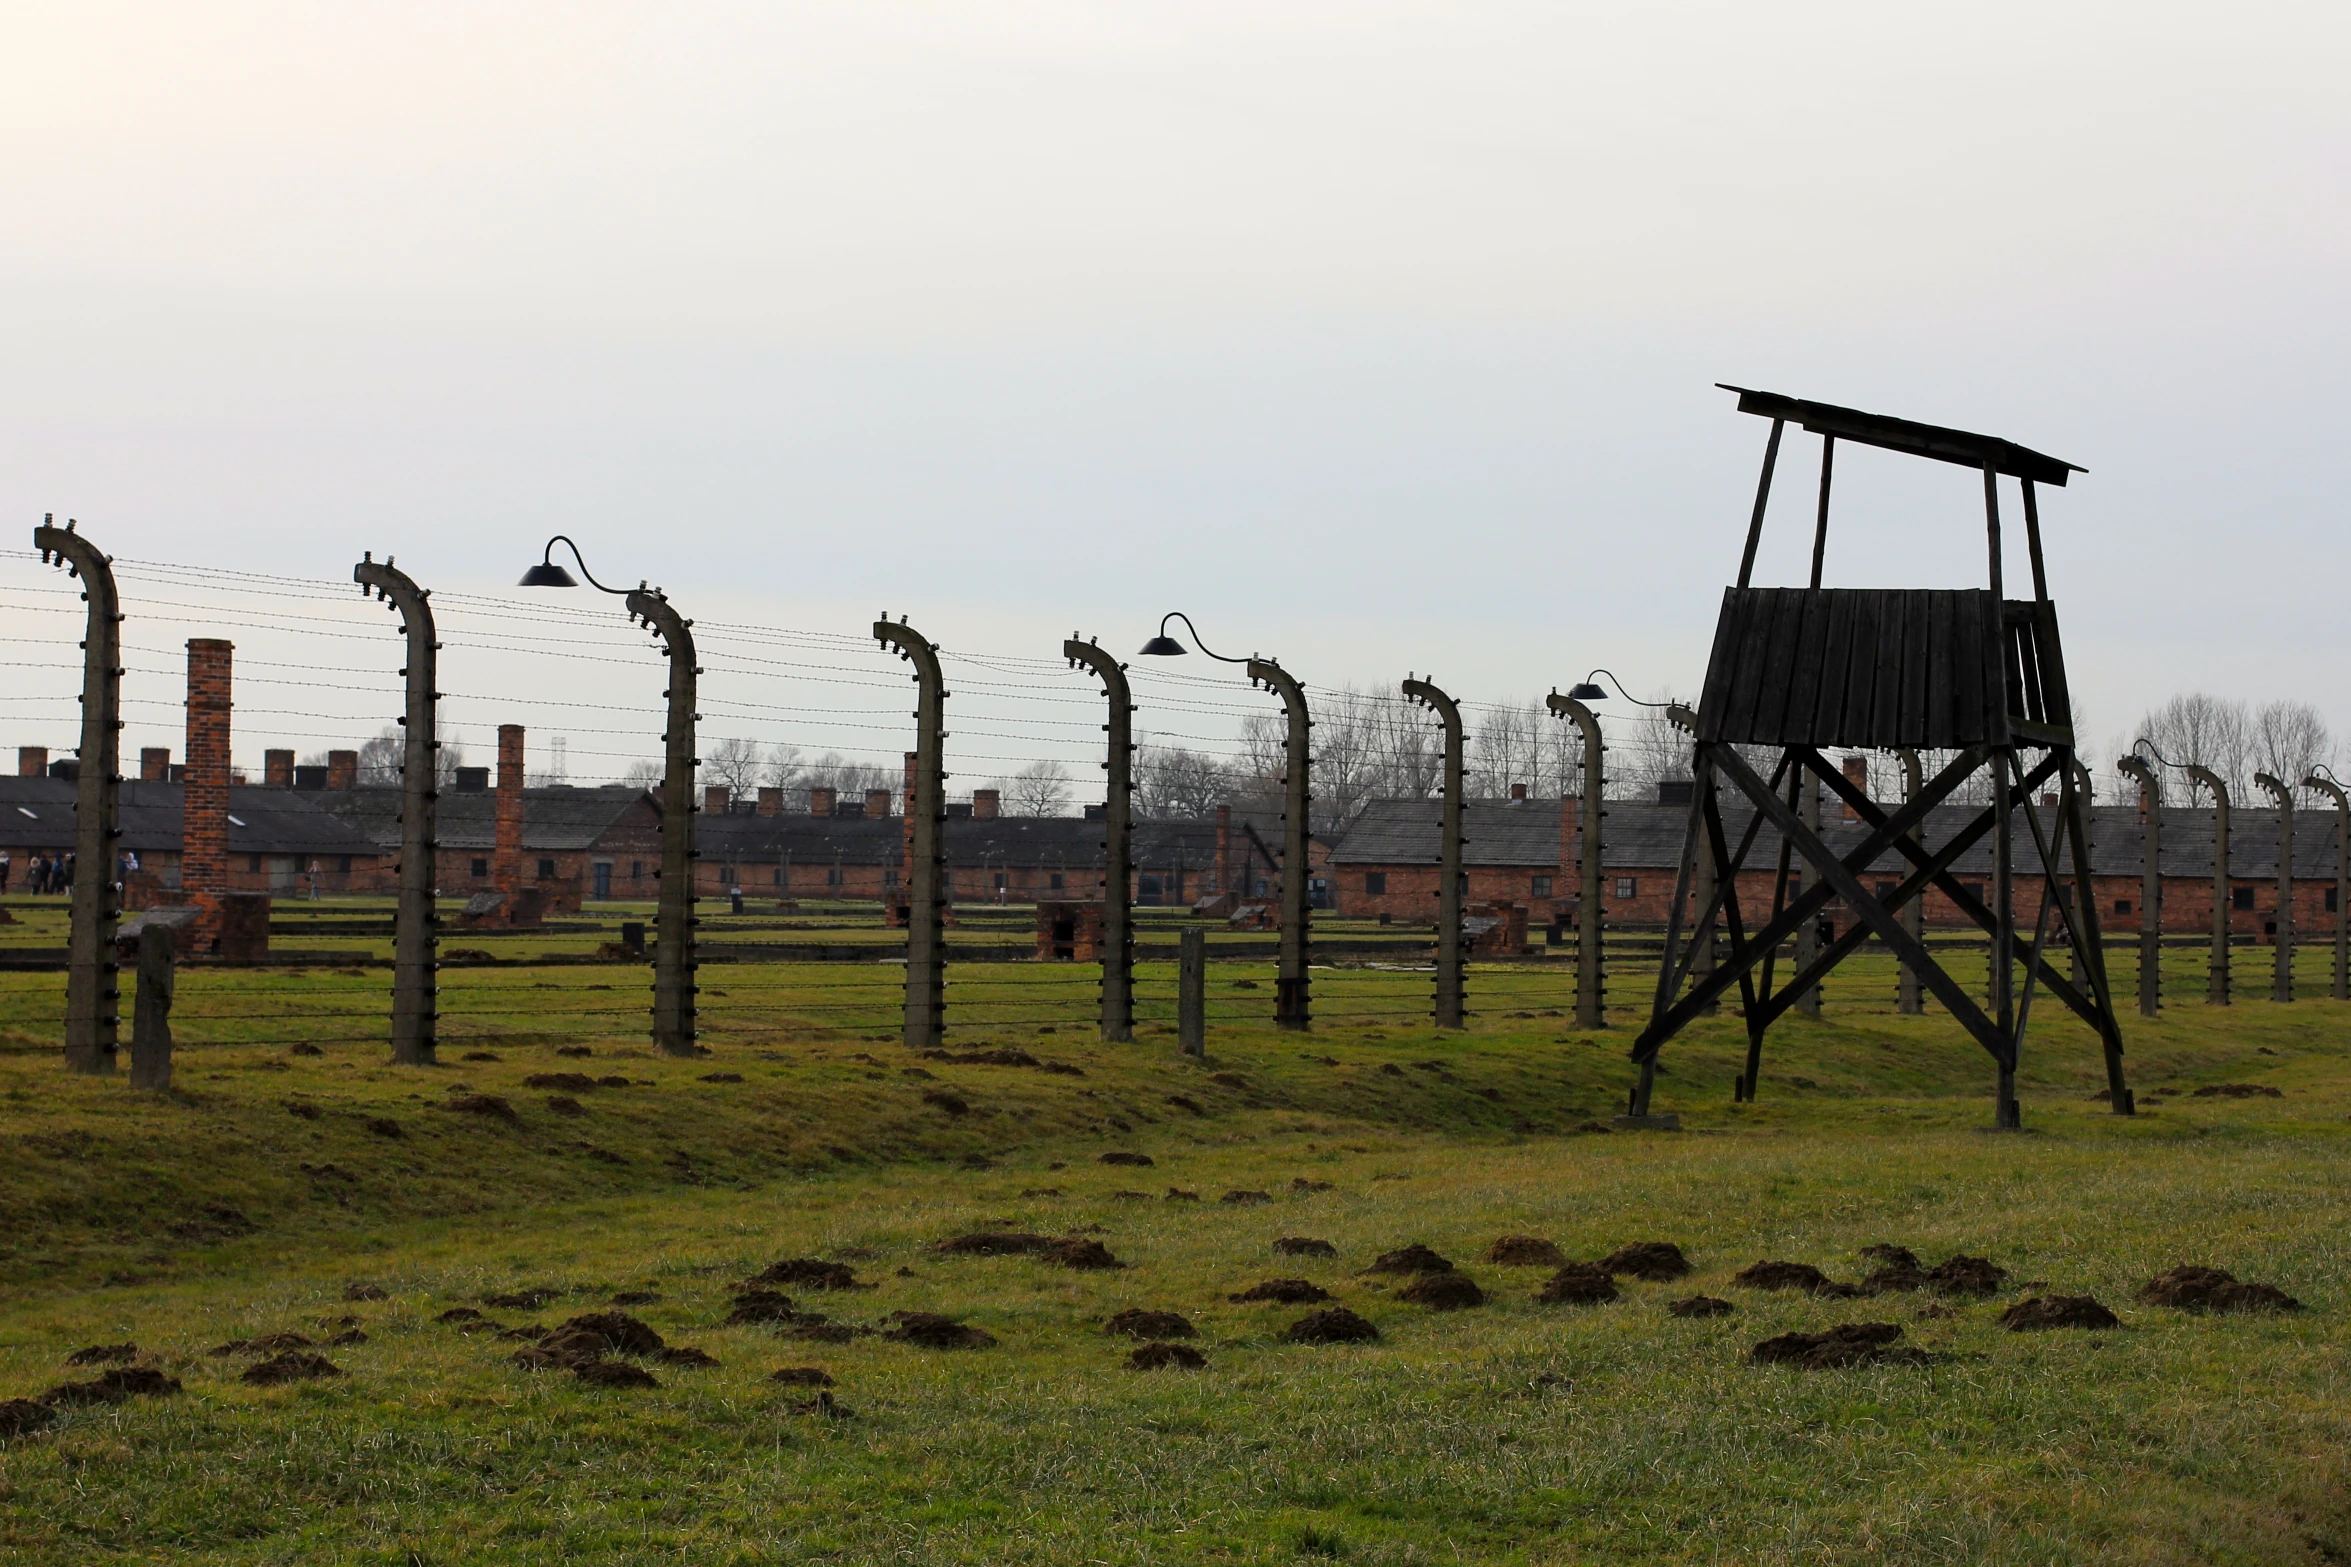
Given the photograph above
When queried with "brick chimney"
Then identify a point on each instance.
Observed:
(32, 761)
(1856, 774)
(277, 769)
(771, 802)
(204, 833)
(877, 803)
(342, 769)
(506, 846)
(1518, 791)
(1224, 850)
(987, 804)
(155, 764)
(822, 801)
(716, 798)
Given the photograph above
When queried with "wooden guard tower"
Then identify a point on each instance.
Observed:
(1967, 672)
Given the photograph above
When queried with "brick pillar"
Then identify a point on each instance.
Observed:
(821, 800)
(342, 769)
(1856, 774)
(987, 804)
(32, 761)
(277, 769)
(204, 833)
(771, 802)
(506, 854)
(877, 803)
(716, 798)
(155, 764)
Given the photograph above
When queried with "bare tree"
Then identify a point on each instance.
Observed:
(1650, 750)
(735, 762)
(643, 775)
(2209, 731)
(2288, 739)
(835, 771)
(1039, 789)
(1172, 783)
(784, 766)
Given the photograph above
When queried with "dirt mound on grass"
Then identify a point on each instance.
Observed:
(1702, 1306)
(1239, 1199)
(346, 1339)
(1076, 1253)
(1524, 1251)
(365, 1292)
(1964, 1275)
(294, 1366)
(1160, 1357)
(456, 1314)
(1134, 1322)
(1781, 1276)
(1282, 1292)
(1443, 1292)
(521, 1300)
(569, 1082)
(104, 1355)
(112, 1387)
(1656, 1261)
(2058, 1311)
(2237, 1091)
(1577, 1284)
(1121, 1156)
(1180, 1194)
(1891, 1256)
(613, 1373)
(687, 1355)
(931, 1331)
(2191, 1288)
(1303, 1246)
(824, 1332)
(1848, 1344)
(996, 1243)
(22, 1416)
(1414, 1258)
(1337, 1325)
(802, 1376)
(1299, 1183)
(482, 1104)
(621, 1333)
(753, 1306)
(637, 1298)
(808, 1273)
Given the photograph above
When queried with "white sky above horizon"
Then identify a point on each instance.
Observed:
(1380, 337)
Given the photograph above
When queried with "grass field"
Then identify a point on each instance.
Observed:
(251, 1197)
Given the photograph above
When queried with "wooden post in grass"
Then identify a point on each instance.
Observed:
(151, 1009)
(1192, 992)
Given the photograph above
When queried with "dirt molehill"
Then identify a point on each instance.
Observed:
(808, 1273)
(1135, 1322)
(1655, 1261)
(621, 1333)
(613, 1373)
(753, 1306)
(931, 1331)
(521, 1300)
(293, 1366)
(637, 1298)
(1965, 1275)
(2192, 1288)
(1121, 1156)
(1578, 1284)
(1889, 1255)
(21, 1416)
(1702, 1306)
(1162, 1357)
(104, 1355)
(366, 1292)
(1084, 1254)
(1781, 1276)
(483, 1104)
(1281, 1292)
(1848, 1344)
(1303, 1246)
(1443, 1292)
(1336, 1325)
(1524, 1251)
(1414, 1258)
(802, 1376)
(2058, 1311)
(569, 1082)
(2237, 1091)
(996, 1243)
(1239, 1199)
(687, 1355)
(112, 1387)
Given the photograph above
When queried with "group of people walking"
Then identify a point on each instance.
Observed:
(45, 874)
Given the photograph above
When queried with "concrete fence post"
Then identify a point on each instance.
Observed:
(2282, 979)
(1293, 998)
(673, 913)
(93, 988)
(2216, 988)
(2150, 883)
(1192, 991)
(926, 858)
(1452, 1003)
(415, 921)
(1590, 975)
(151, 1008)
(2335, 792)
(1118, 852)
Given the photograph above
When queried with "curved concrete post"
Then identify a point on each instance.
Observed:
(1118, 853)
(93, 989)
(416, 922)
(1450, 1001)
(2217, 983)
(2334, 791)
(2282, 979)
(1589, 1012)
(1293, 996)
(926, 855)
(673, 913)
(2150, 883)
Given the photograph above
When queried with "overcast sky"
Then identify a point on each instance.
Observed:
(1380, 337)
